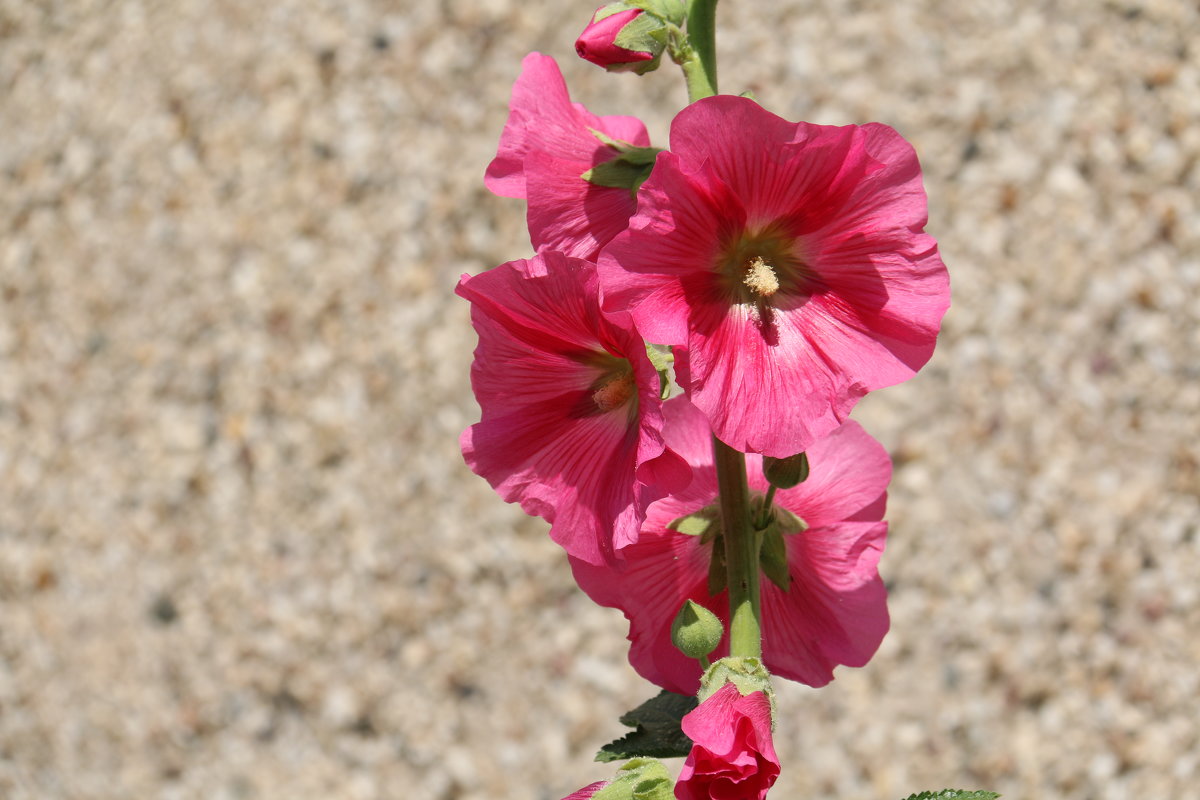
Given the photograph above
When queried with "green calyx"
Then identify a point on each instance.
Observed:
(639, 779)
(772, 557)
(747, 674)
(669, 11)
(629, 170)
(696, 631)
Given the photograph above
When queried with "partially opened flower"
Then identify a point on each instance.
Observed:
(789, 261)
(571, 422)
(823, 602)
(732, 756)
(547, 146)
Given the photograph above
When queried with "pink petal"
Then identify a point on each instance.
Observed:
(656, 576)
(760, 383)
(849, 472)
(714, 722)
(542, 441)
(773, 166)
(651, 267)
(571, 215)
(835, 611)
(546, 146)
(733, 757)
(687, 433)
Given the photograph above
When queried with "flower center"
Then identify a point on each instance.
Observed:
(615, 391)
(758, 267)
(761, 278)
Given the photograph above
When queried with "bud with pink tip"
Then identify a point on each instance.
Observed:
(629, 36)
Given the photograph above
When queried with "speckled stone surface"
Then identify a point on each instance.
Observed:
(241, 557)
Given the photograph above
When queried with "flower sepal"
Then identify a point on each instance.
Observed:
(672, 11)
(747, 674)
(629, 170)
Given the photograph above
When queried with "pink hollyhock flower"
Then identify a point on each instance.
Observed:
(732, 757)
(598, 44)
(789, 260)
(547, 145)
(572, 416)
(835, 608)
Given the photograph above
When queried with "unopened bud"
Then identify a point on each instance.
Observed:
(696, 631)
(784, 473)
(623, 37)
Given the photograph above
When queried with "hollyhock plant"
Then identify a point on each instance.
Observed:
(788, 261)
(732, 757)
(739, 526)
(828, 539)
(547, 146)
(571, 422)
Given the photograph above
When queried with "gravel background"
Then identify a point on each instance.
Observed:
(240, 556)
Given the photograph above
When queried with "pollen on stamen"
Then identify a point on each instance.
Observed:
(761, 278)
(614, 393)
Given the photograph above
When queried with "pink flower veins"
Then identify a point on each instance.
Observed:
(835, 609)
(547, 145)
(788, 261)
(571, 422)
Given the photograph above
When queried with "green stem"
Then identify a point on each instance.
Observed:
(696, 50)
(697, 79)
(742, 545)
(702, 36)
(765, 515)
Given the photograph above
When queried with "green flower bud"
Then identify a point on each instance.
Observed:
(784, 473)
(696, 631)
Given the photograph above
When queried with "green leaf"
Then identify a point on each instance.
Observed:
(657, 731)
(953, 794)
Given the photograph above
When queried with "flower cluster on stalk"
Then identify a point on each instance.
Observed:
(782, 269)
